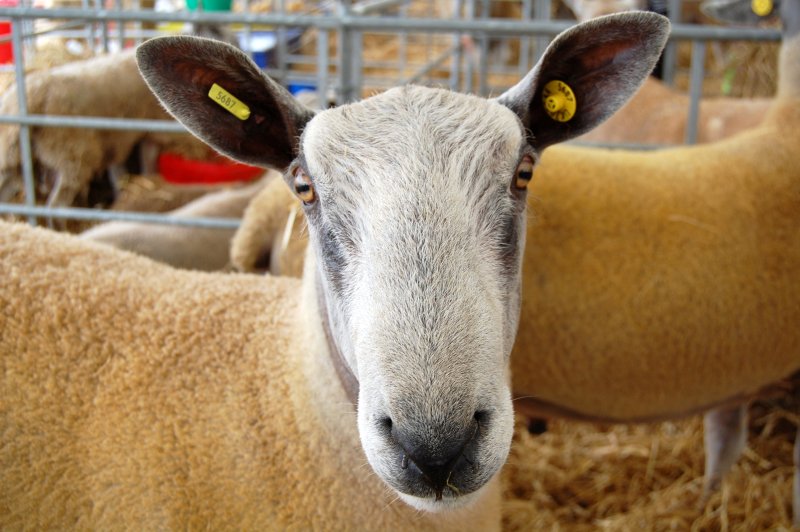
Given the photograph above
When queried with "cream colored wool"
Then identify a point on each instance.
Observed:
(659, 114)
(136, 393)
(272, 225)
(193, 248)
(658, 284)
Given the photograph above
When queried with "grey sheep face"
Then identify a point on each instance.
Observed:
(415, 201)
(419, 259)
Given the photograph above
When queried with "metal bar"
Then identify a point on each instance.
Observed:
(469, 66)
(248, 32)
(280, 48)
(365, 7)
(357, 66)
(103, 27)
(32, 34)
(483, 59)
(525, 42)
(695, 89)
(89, 36)
(669, 58)
(24, 131)
(431, 66)
(402, 51)
(120, 25)
(386, 24)
(541, 13)
(123, 124)
(345, 55)
(458, 55)
(322, 68)
(128, 216)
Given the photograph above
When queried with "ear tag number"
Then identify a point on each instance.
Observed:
(559, 101)
(229, 102)
(762, 8)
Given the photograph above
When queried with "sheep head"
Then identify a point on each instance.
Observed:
(415, 201)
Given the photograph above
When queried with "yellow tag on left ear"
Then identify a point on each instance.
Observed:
(559, 101)
(230, 102)
(762, 8)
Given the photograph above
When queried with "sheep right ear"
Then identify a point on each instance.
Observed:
(253, 119)
(586, 74)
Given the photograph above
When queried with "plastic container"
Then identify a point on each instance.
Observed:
(262, 44)
(178, 170)
(6, 48)
(297, 88)
(210, 5)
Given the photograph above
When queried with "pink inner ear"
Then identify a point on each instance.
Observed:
(603, 55)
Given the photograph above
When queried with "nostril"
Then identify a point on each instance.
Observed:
(385, 424)
(482, 417)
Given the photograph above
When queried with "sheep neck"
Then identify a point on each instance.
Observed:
(346, 376)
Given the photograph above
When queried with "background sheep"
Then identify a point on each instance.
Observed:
(272, 227)
(218, 402)
(667, 282)
(67, 159)
(193, 248)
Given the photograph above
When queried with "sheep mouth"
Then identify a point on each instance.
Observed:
(451, 485)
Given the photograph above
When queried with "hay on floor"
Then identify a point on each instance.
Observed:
(579, 476)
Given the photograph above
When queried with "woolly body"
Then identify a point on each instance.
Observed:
(211, 385)
(186, 247)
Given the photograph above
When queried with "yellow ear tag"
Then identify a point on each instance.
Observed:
(229, 102)
(762, 8)
(559, 101)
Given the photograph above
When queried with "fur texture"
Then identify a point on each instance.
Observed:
(186, 247)
(214, 400)
(135, 393)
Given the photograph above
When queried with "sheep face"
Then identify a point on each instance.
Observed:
(415, 201)
(419, 261)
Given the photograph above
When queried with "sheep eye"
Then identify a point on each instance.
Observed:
(303, 188)
(524, 173)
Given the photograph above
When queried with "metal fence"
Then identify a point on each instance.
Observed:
(455, 43)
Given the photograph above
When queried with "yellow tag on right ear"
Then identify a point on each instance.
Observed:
(230, 102)
(762, 8)
(559, 101)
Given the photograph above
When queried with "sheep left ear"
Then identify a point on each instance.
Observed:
(222, 96)
(586, 74)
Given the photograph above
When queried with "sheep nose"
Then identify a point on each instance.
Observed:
(437, 460)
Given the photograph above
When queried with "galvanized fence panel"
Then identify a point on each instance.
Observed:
(458, 45)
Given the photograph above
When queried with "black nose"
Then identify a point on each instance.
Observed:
(440, 457)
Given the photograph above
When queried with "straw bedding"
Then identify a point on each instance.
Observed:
(579, 476)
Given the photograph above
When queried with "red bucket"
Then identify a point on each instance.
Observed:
(176, 169)
(6, 49)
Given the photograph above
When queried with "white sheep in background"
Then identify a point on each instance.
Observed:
(187, 247)
(139, 396)
(67, 159)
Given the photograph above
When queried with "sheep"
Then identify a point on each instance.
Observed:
(183, 246)
(593, 280)
(67, 159)
(272, 226)
(665, 284)
(140, 396)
